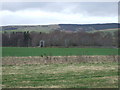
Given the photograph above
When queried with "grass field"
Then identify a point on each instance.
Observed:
(10, 31)
(52, 75)
(80, 75)
(106, 30)
(16, 51)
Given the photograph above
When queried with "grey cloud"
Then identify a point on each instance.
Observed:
(15, 6)
(74, 12)
(91, 8)
(101, 8)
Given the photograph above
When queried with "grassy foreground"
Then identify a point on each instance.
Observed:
(24, 51)
(80, 75)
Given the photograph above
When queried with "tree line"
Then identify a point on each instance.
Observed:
(60, 39)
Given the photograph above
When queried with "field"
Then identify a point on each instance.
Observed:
(59, 67)
(106, 30)
(77, 75)
(10, 31)
(16, 51)
(45, 29)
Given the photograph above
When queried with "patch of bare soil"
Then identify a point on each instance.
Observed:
(58, 59)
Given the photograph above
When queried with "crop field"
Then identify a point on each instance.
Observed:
(23, 51)
(77, 75)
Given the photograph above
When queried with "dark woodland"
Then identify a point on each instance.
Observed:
(60, 39)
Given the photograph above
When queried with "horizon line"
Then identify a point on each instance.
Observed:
(53, 24)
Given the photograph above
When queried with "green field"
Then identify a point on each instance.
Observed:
(106, 30)
(64, 75)
(10, 31)
(24, 51)
(80, 75)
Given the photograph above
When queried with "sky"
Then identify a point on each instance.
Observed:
(42, 13)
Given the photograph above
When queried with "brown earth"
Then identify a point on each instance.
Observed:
(58, 59)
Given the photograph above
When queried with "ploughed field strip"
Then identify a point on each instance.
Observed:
(59, 59)
(23, 51)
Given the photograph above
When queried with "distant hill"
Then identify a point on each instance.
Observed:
(64, 27)
(88, 27)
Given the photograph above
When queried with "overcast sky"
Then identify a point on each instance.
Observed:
(27, 13)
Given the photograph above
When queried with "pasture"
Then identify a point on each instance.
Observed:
(24, 67)
(76, 75)
(106, 31)
(30, 51)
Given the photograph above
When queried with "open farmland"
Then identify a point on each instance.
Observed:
(24, 67)
(77, 75)
(24, 51)
(64, 45)
(106, 30)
